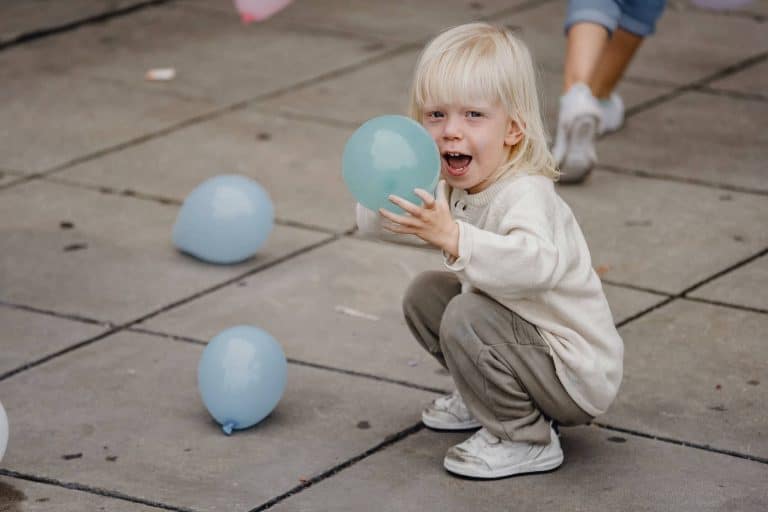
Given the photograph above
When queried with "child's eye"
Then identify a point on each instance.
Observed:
(474, 113)
(435, 114)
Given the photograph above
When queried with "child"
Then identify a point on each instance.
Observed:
(519, 318)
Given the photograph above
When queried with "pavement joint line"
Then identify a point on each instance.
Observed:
(686, 444)
(635, 287)
(265, 266)
(37, 362)
(126, 192)
(125, 326)
(641, 173)
(683, 294)
(727, 305)
(693, 86)
(74, 486)
(299, 362)
(445, 391)
(715, 91)
(645, 311)
(50, 312)
(721, 273)
(216, 113)
(317, 119)
(388, 441)
(73, 25)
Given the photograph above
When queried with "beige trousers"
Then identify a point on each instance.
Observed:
(499, 362)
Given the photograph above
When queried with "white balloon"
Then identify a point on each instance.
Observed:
(3, 431)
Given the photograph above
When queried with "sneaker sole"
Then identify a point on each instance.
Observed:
(580, 155)
(547, 464)
(439, 425)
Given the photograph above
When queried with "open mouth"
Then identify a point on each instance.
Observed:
(456, 163)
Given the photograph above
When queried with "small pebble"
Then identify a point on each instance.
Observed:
(65, 224)
(363, 425)
(70, 456)
(111, 458)
(753, 382)
(617, 439)
(264, 136)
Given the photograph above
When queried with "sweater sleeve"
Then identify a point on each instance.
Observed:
(371, 225)
(516, 255)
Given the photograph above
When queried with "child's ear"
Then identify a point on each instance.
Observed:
(514, 133)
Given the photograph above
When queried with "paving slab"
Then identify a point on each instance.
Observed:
(22, 17)
(602, 471)
(757, 9)
(626, 302)
(745, 286)
(340, 306)
(753, 80)
(383, 88)
(48, 130)
(394, 20)
(26, 336)
(216, 57)
(129, 404)
(687, 46)
(17, 495)
(116, 263)
(694, 372)
(662, 235)
(703, 148)
(298, 162)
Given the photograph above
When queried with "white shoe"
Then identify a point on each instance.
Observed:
(449, 413)
(579, 122)
(486, 456)
(611, 114)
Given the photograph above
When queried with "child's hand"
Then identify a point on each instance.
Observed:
(432, 222)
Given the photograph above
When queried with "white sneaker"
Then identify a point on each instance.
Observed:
(449, 413)
(486, 456)
(611, 114)
(578, 124)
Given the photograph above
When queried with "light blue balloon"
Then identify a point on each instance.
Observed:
(390, 155)
(225, 219)
(241, 376)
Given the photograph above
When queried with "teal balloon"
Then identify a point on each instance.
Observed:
(225, 219)
(390, 155)
(241, 376)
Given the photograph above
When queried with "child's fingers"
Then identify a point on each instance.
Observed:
(429, 201)
(405, 205)
(398, 219)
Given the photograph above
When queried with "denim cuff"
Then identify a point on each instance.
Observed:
(635, 26)
(590, 16)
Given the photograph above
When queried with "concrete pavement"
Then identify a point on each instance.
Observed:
(103, 322)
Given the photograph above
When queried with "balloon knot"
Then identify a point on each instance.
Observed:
(227, 427)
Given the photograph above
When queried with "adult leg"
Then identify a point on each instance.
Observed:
(613, 61)
(586, 42)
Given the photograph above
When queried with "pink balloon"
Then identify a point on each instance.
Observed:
(259, 10)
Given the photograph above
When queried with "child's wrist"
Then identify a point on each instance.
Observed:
(451, 245)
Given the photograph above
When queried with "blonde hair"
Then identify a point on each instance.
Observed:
(479, 61)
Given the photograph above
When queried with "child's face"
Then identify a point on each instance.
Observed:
(473, 140)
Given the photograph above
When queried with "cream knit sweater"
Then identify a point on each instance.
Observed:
(520, 244)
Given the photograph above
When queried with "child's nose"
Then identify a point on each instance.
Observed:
(452, 128)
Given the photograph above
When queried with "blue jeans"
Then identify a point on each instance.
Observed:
(635, 16)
